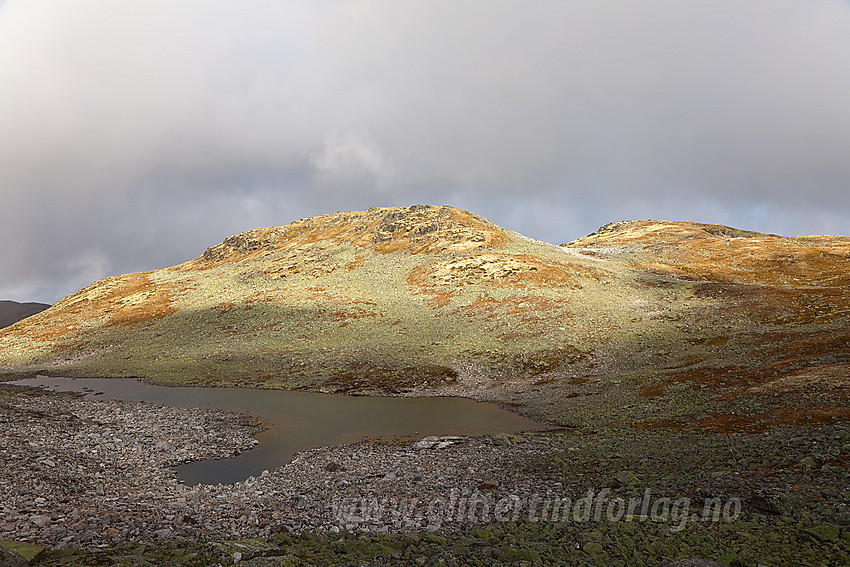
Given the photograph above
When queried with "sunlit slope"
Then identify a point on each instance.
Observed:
(777, 348)
(393, 297)
(438, 299)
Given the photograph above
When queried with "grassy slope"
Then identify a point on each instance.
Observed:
(436, 300)
(330, 296)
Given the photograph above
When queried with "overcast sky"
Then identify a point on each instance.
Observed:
(135, 134)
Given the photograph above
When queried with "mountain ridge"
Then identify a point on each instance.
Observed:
(439, 301)
(13, 311)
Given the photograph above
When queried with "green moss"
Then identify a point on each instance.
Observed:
(27, 551)
(760, 539)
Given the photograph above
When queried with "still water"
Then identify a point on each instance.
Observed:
(296, 421)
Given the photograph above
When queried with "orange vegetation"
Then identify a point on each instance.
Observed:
(753, 423)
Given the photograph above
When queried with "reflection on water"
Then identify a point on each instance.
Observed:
(297, 421)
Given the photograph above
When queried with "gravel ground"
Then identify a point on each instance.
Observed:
(92, 481)
(84, 473)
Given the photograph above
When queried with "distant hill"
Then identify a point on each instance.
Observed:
(658, 316)
(11, 311)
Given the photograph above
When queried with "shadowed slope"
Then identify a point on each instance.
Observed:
(11, 311)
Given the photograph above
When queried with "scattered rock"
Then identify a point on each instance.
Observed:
(768, 503)
(433, 442)
(111, 483)
(593, 548)
(809, 463)
(825, 533)
(166, 446)
(40, 520)
(107, 475)
(622, 478)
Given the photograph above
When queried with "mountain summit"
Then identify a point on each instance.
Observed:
(438, 300)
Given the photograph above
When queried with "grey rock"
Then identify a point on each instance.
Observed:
(40, 520)
(622, 478)
(166, 446)
(433, 442)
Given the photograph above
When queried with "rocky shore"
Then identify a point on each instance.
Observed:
(88, 473)
(94, 478)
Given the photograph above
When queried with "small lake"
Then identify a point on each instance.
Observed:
(296, 421)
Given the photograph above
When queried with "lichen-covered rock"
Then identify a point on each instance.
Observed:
(19, 554)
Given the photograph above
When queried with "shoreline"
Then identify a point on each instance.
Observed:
(93, 476)
(85, 473)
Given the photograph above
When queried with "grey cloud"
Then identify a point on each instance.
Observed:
(353, 161)
(136, 134)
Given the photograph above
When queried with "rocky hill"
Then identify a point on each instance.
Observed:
(11, 311)
(646, 321)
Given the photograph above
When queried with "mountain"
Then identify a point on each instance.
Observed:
(11, 311)
(647, 321)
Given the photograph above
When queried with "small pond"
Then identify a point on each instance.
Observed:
(296, 421)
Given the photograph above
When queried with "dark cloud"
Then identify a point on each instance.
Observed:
(136, 134)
